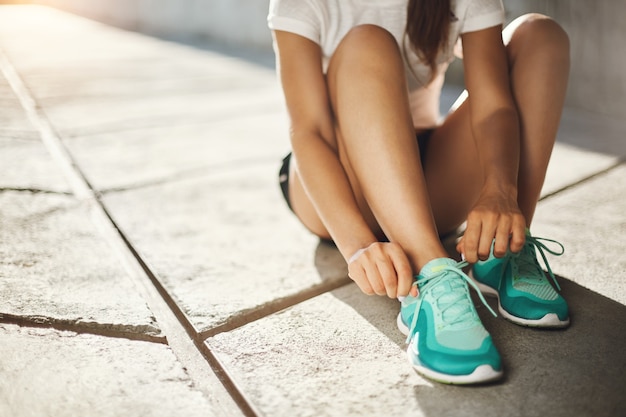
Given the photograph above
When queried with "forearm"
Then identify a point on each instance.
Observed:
(327, 185)
(498, 143)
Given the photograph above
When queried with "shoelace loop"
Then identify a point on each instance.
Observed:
(534, 244)
(425, 284)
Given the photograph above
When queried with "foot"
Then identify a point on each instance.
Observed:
(525, 296)
(446, 340)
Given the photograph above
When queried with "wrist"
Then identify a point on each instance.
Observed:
(500, 185)
(355, 255)
(354, 249)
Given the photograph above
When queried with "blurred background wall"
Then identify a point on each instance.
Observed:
(598, 37)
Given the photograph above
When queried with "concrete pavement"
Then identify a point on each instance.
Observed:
(149, 266)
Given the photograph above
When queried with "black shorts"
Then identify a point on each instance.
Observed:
(283, 175)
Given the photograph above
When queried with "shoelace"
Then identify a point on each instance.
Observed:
(530, 266)
(426, 284)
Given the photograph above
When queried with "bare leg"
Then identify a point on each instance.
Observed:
(538, 51)
(377, 144)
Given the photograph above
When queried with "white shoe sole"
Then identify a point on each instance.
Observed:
(550, 320)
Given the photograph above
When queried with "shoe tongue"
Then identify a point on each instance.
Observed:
(435, 267)
(455, 306)
(447, 292)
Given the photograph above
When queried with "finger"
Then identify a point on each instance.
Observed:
(374, 259)
(357, 274)
(374, 279)
(403, 270)
(470, 240)
(389, 278)
(503, 234)
(487, 234)
(460, 248)
(518, 233)
(365, 287)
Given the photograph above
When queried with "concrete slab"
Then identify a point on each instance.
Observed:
(77, 47)
(340, 354)
(570, 164)
(322, 358)
(590, 220)
(85, 117)
(64, 374)
(93, 78)
(14, 123)
(55, 269)
(208, 218)
(26, 164)
(126, 77)
(151, 155)
(224, 244)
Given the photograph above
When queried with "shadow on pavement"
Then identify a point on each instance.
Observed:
(579, 371)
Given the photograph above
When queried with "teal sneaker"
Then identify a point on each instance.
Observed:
(446, 340)
(525, 295)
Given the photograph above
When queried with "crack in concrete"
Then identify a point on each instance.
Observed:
(137, 333)
(256, 313)
(34, 191)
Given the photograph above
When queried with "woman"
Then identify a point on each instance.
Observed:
(361, 79)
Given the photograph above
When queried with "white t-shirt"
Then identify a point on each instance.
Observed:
(326, 22)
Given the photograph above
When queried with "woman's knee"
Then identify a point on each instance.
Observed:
(366, 43)
(538, 33)
(368, 35)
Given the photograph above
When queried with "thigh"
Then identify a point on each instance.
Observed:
(452, 170)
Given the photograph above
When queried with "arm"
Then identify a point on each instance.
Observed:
(314, 143)
(380, 268)
(495, 127)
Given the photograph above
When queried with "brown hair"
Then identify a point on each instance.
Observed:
(427, 27)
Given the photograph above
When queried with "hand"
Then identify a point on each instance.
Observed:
(382, 268)
(495, 215)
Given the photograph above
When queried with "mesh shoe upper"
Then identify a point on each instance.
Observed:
(521, 284)
(444, 330)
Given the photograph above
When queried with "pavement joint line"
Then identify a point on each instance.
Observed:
(273, 307)
(620, 161)
(227, 382)
(48, 323)
(180, 338)
(33, 191)
(194, 173)
(77, 182)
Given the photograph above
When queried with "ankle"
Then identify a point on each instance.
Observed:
(418, 263)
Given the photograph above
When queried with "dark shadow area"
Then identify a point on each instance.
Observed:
(579, 371)
(329, 262)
